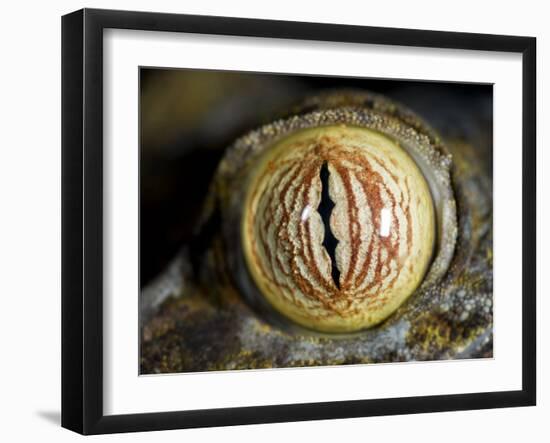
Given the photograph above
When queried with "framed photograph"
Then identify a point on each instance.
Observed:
(269, 221)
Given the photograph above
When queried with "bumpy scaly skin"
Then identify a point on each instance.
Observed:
(209, 326)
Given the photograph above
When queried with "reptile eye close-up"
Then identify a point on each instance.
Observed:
(291, 221)
(339, 227)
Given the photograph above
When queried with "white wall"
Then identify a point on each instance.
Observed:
(30, 217)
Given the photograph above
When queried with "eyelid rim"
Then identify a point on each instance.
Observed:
(377, 113)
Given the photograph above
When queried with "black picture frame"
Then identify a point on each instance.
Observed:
(82, 220)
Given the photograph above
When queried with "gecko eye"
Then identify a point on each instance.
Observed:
(340, 225)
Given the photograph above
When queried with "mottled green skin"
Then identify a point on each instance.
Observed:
(210, 325)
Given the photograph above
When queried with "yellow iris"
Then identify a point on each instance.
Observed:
(338, 227)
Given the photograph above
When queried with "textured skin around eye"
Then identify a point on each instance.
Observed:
(382, 218)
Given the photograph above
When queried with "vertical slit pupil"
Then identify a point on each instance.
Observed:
(325, 209)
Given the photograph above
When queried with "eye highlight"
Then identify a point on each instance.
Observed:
(339, 227)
